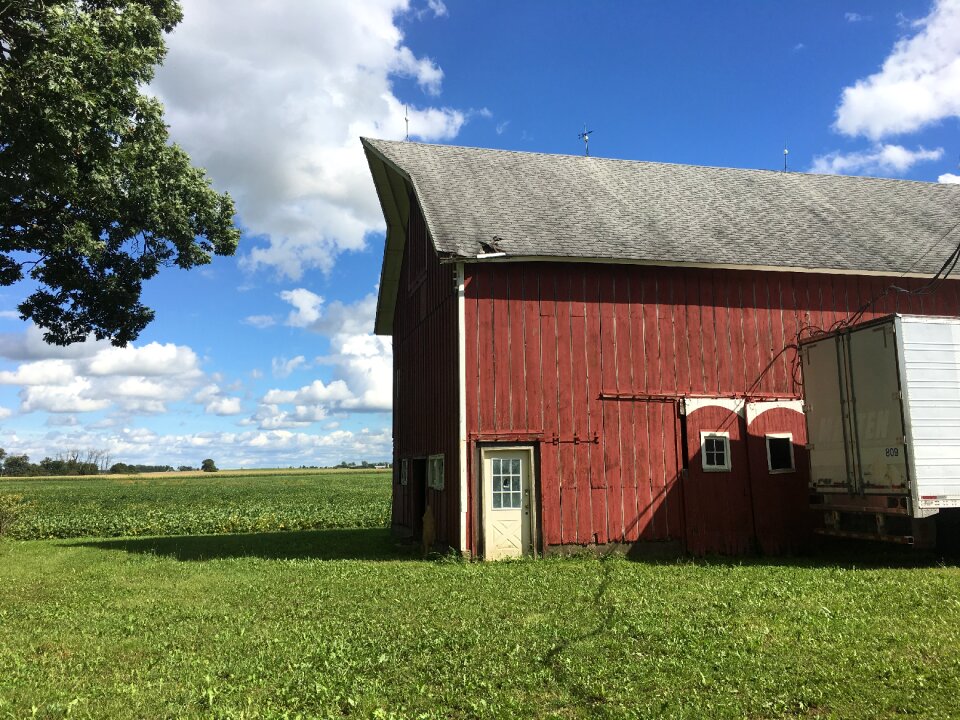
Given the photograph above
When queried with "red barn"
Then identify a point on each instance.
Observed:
(592, 351)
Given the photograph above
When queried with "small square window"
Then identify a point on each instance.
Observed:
(715, 451)
(780, 453)
(435, 472)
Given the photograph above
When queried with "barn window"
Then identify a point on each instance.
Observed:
(403, 472)
(507, 482)
(435, 472)
(715, 451)
(780, 453)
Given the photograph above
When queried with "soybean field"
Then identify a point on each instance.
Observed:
(200, 503)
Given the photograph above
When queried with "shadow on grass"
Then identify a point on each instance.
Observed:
(376, 544)
(339, 544)
(822, 553)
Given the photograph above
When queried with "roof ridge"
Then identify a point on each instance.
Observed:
(658, 163)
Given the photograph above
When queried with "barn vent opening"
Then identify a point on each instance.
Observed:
(780, 453)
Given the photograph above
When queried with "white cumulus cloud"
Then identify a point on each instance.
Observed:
(215, 402)
(362, 359)
(92, 376)
(281, 367)
(949, 178)
(77, 396)
(306, 307)
(151, 359)
(40, 372)
(879, 160)
(224, 406)
(271, 98)
(918, 84)
(260, 321)
(361, 365)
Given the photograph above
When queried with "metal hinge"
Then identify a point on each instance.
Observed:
(575, 439)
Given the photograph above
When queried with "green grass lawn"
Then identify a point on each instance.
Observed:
(175, 504)
(236, 606)
(343, 623)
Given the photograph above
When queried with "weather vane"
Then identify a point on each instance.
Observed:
(585, 136)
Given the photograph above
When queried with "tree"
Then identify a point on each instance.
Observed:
(18, 466)
(95, 199)
(208, 466)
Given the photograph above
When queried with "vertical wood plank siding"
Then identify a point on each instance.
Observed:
(426, 385)
(544, 340)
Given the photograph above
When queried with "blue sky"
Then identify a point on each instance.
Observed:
(267, 358)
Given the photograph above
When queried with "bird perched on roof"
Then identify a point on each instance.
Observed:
(492, 245)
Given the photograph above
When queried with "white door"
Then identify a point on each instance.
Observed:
(508, 502)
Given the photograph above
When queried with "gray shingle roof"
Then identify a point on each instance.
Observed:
(594, 208)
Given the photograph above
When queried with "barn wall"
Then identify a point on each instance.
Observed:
(425, 392)
(546, 340)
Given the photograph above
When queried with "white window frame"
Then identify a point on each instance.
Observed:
(404, 472)
(715, 434)
(793, 461)
(435, 472)
(519, 492)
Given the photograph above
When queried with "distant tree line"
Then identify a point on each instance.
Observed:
(98, 462)
(125, 469)
(72, 462)
(82, 462)
(362, 464)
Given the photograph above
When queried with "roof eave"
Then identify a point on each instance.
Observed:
(392, 191)
(579, 259)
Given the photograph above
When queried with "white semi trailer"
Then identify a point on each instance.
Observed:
(882, 407)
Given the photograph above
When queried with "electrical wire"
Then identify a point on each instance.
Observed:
(928, 288)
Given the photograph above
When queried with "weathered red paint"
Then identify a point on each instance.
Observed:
(588, 363)
(666, 332)
(781, 522)
(718, 505)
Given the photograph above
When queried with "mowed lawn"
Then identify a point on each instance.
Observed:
(345, 623)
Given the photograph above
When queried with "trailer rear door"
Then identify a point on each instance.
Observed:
(877, 418)
(830, 466)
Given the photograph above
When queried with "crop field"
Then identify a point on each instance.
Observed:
(200, 503)
(344, 622)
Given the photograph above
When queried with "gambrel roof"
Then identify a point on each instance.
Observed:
(534, 206)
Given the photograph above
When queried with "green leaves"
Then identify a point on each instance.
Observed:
(95, 197)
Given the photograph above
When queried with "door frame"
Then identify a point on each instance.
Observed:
(534, 475)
